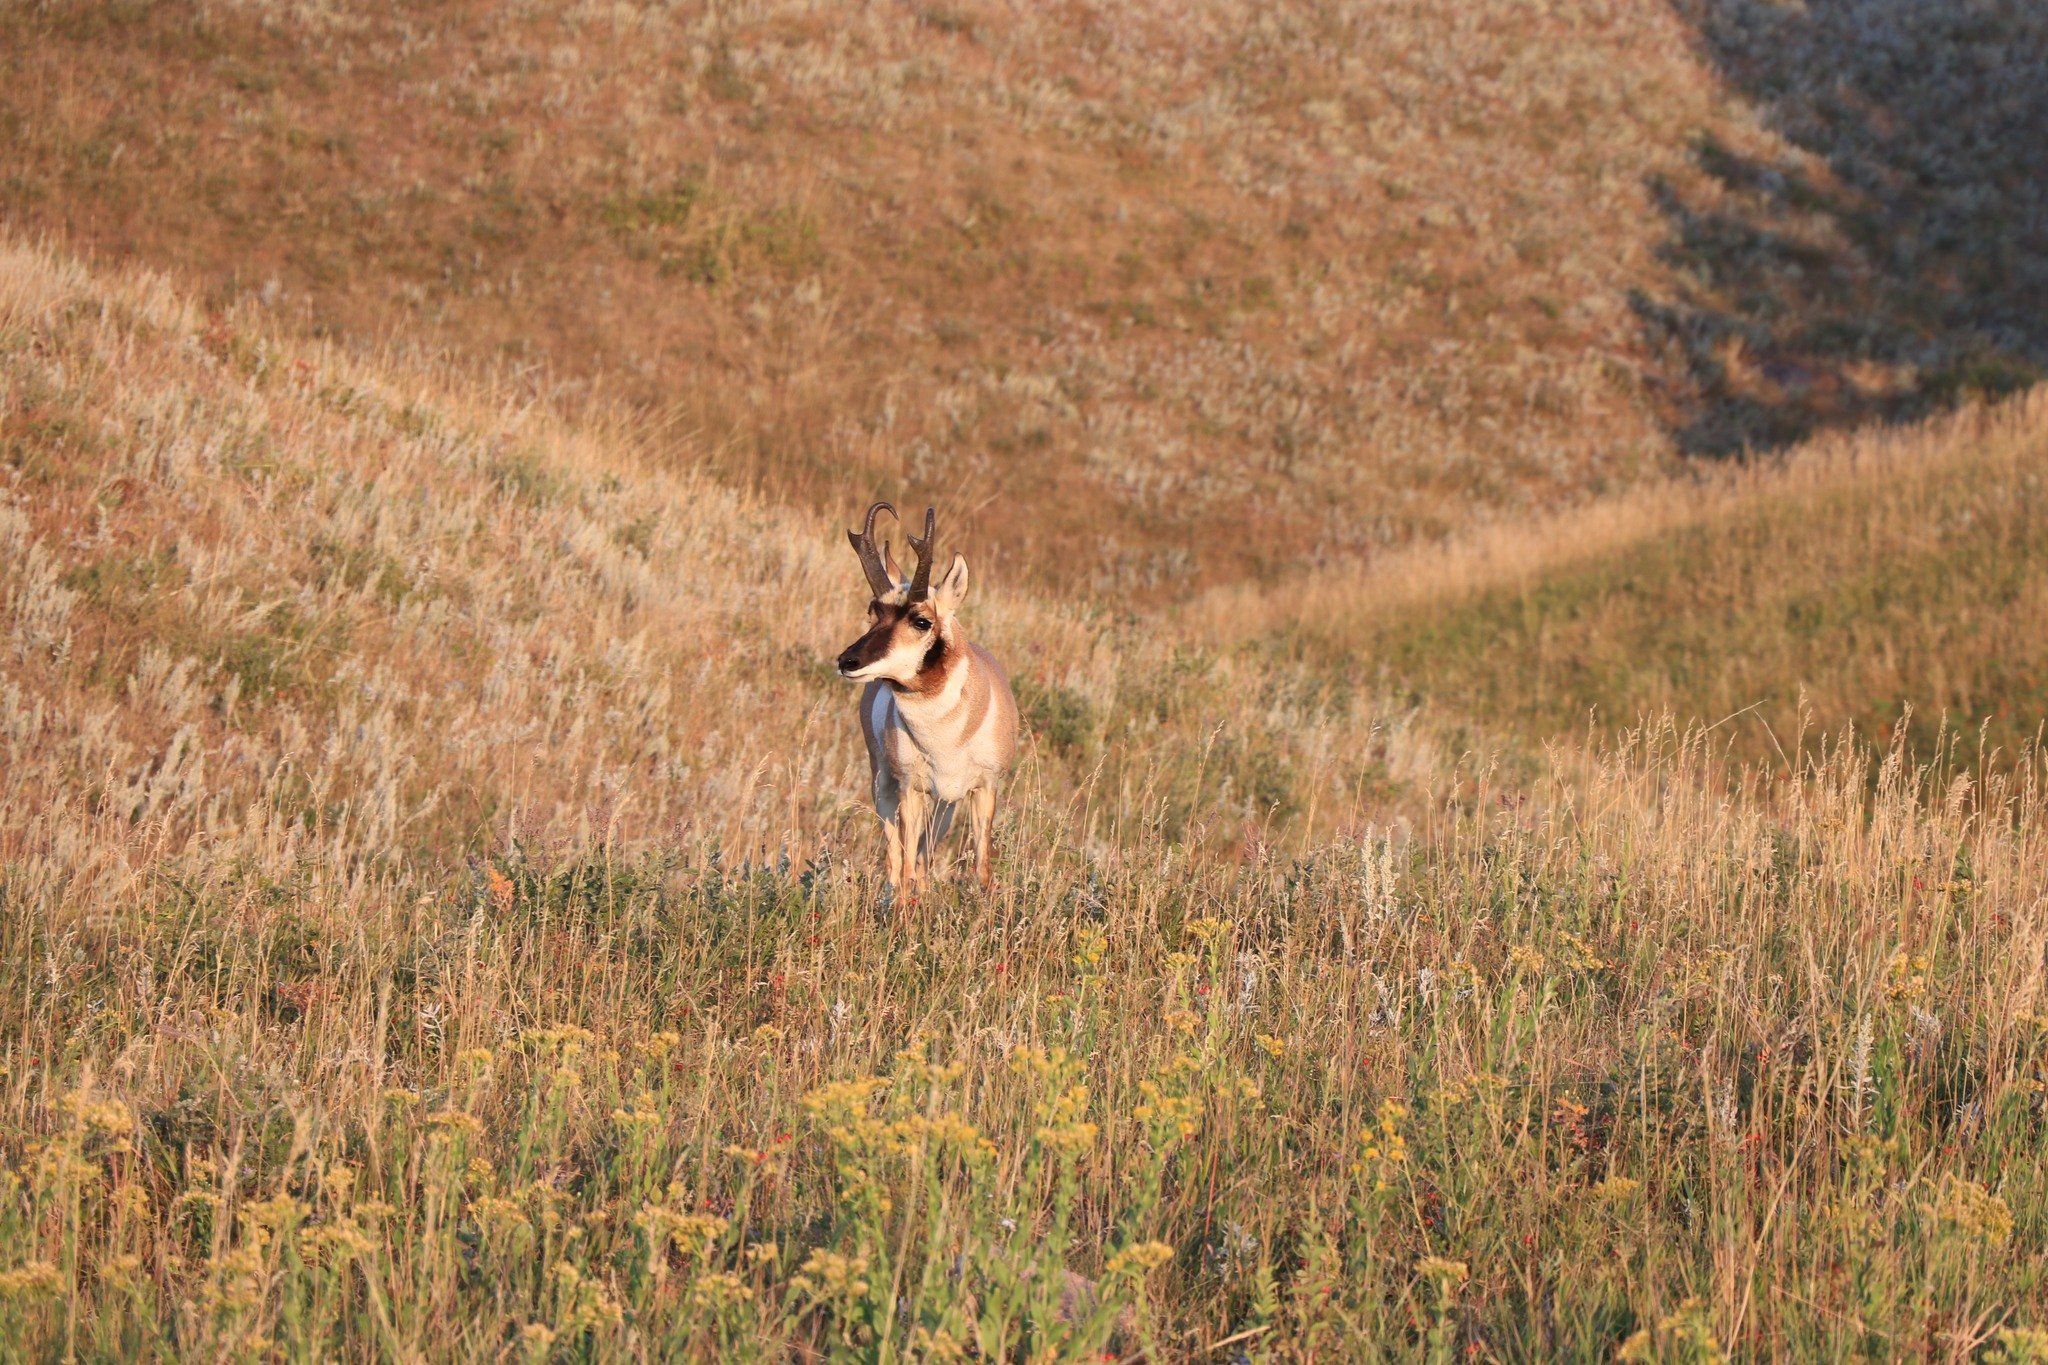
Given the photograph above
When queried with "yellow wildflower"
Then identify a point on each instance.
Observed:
(538, 1338)
(2019, 1346)
(1692, 1329)
(1969, 1209)
(97, 1116)
(936, 1344)
(36, 1277)
(1068, 1137)
(1614, 1189)
(277, 1214)
(829, 1275)
(1447, 1273)
(711, 1290)
(340, 1240)
(495, 1211)
(1139, 1258)
(1386, 1148)
(1908, 977)
(645, 1113)
(567, 1037)
(452, 1121)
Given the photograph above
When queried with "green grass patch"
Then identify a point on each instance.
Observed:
(1923, 592)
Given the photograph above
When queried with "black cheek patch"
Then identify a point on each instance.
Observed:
(871, 647)
(934, 653)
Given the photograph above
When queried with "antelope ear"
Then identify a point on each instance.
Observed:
(889, 563)
(952, 589)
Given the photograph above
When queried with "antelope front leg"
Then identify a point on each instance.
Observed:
(911, 816)
(982, 809)
(888, 802)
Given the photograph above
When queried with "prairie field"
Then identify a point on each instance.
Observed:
(1520, 537)
(420, 943)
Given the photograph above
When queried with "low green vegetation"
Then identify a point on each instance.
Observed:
(1847, 605)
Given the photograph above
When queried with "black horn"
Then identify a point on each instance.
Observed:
(921, 581)
(871, 558)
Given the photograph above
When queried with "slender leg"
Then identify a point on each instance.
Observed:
(982, 807)
(895, 855)
(911, 814)
(888, 800)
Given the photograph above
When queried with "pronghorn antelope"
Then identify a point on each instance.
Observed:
(937, 712)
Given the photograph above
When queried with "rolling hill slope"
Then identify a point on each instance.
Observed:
(1866, 575)
(1160, 296)
(265, 586)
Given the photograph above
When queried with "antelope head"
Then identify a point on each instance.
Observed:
(911, 625)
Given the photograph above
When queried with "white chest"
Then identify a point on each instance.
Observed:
(940, 752)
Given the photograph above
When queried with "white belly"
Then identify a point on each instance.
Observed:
(952, 776)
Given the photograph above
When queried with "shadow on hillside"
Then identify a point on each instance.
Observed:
(1902, 262)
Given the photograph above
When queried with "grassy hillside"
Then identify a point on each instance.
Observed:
(1868, 575)
(394, 599)
(1159, 296)
(438, 925)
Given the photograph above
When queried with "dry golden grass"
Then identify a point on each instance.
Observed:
(439, 925)
(1158, 296)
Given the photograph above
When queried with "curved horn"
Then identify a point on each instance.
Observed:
(870, 558)
(921, 581)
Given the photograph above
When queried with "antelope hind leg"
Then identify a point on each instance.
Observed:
(982, 808)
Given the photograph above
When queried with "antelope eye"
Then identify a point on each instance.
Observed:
(921, 622)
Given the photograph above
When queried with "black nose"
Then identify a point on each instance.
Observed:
(847, 663)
